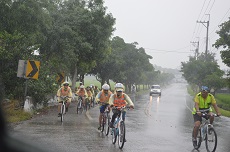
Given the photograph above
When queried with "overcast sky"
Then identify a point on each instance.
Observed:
(166, 28)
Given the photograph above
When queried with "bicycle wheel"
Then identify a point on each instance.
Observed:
(121, 135)
(102, 123)
(211, 140)
(198, 138)
(79, 107)
(106, 125)
(114, 135)
(62, 112)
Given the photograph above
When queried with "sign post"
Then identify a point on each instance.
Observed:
(28, 69)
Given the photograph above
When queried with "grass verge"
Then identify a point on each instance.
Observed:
(221, 99)
(13, 116)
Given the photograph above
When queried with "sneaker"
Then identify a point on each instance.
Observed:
(59, 115)
(99, 128)
(66, 109)
(194, 141)
(111, 125)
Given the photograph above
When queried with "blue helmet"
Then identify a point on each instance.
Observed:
(204, 88)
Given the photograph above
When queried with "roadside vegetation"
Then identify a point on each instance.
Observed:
(13, 116)
(221, 99)
(75, 38)
(70, 37)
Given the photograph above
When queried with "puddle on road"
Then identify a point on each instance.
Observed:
(150, 107)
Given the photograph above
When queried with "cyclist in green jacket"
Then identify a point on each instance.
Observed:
(203, 101)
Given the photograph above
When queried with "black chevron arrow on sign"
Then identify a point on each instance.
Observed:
(34, 67)
(60, 77)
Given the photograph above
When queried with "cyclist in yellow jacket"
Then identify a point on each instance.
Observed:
(203, 101)
(103, 99)
(81, 92)
(65, 90)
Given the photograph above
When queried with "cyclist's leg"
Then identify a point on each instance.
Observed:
(197, 122)
(211, 117)
(59, 108)
(115, 113)
(67, 105)
(102, 109)
(123, 114)
(83, 101)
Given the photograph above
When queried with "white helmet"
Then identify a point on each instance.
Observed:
(82, 86)
(105, 87)
(65, 83)
(119, 87)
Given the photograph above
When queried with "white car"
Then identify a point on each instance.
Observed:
(155, 89)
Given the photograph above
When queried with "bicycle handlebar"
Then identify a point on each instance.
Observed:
(205, 114)
(121, 108)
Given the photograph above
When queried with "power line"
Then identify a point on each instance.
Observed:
(221, 20)
(173, 51)
(198, 18)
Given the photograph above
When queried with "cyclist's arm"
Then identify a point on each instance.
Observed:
(197, 107)
(59, 92)
(98, 97)
(196, 100)
(216, 108)
(111, 100)
(128, 100)
(86, 94)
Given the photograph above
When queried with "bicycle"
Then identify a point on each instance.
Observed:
(119, 129)
(79, 104)
(206, 133)
(63, 106)
(105, 121)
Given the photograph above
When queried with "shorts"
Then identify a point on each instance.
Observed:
(116, 112)
(196, 117)
(102, 108)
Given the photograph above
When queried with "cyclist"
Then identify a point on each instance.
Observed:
(81, 92)
(119, 99)
(103, 98)
(93, 94)
(89, 95)
(203, 101)
(96, 90)
(65, 90)
(133, 89)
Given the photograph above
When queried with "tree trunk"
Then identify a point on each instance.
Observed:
(74, 80)
(82, 76)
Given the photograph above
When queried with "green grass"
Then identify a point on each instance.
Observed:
(222, 100)
(92, 80)
(225, 112)
(13, 116)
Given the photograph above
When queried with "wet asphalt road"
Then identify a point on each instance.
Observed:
(157, 124)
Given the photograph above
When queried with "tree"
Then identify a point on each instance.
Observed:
(22, 28)
(202, 70)
(224, 42)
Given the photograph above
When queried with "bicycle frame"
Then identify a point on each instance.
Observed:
(104, 122)
(63, 106)
(119, 129)
(207, 133)
(79, 105)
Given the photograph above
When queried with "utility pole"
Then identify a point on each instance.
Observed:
(207, 22)
(197, 49)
